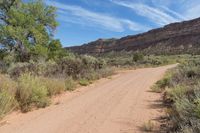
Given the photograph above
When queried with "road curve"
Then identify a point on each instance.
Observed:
(118, 105)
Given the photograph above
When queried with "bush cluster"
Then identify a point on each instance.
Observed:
(162, 84)
(27, 85)
(138, 59)
(69, 66)
(183, 97)
(37, 66)
(31, 92)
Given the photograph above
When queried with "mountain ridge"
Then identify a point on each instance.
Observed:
(174, 38)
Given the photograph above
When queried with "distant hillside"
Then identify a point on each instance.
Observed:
(175, 38)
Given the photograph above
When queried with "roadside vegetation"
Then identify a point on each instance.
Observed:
(181, 95)
(125, 59)
(33, 65)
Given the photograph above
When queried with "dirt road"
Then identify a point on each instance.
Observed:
(118, 105)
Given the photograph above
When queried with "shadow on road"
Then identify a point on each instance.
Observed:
(160, 121)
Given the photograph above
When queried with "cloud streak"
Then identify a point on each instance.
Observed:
(88, 18)
(176, 14)
(154, 14)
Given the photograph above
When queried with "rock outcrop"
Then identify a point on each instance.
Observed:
(175, 38)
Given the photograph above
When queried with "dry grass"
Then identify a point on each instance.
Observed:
(148, 126)
(70, 84)
(54, 86)
(7, 95)
(31, 91)
(84, 82)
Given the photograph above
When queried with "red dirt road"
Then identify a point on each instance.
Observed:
(118, 105)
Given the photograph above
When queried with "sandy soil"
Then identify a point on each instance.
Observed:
(121, 104)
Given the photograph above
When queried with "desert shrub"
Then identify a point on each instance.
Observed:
(50, 69)
(182, 114)
(40, 68)
(70, 66)
(105, 72)
(31, 92)
(101, 63)
(155, 62)
(177, 92)
(90, 75)
(15, 70)
(116, 62)
(196, 96)
(163, 83)
(92, 62)
(70, 84)
(138, 57)
(7, 103)
(7, 95)
(6, 83)
(192, 71)
(84, 82)
(155, 88)
(160, 85)
(184, 94)
(89, 61)
(79, 67)
(54, 86)
(148, 126)
(100, 73)
(3, 67)
(197, 108)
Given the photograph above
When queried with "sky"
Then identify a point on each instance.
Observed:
(83, 21)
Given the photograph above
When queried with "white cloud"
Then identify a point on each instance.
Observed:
(188, 9)
(176, 14)
(88, 18)
(154, 14)
(162, 2)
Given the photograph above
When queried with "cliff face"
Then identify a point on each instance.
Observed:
(183, 37)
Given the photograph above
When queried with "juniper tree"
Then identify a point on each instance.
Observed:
(26, 28)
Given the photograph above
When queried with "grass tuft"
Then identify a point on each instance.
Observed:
(70, 84)
(31, 92)
(7, 95)
(148, 126)
(54, 86)
(84, 82)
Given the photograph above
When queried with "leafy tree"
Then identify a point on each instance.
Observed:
(54, 45)
(55, 50)
(26, 27)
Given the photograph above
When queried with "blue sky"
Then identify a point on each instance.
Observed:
(82, 21)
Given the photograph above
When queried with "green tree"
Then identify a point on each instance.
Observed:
(26, 28)
(55, 50)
